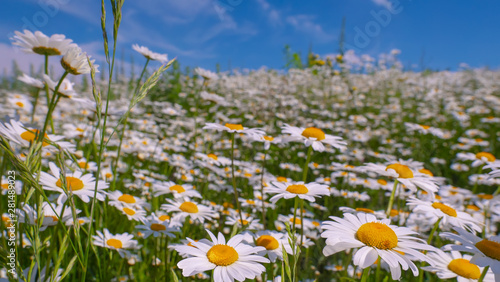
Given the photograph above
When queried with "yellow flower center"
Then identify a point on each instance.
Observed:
(377, 235)
(489, 248)
(41, 50)
(5, 186)
(426, 171)
(222, 255)
(281, 179)
(486, 155)
(212, 156)
(268, 138)
(297, 220)
(30, 136)
(297, 189)
(114, 243)
(464, 268)
(425, 127)
(251, 202)
(177, 188)
(268, 242)
(485, 196)
(245, 222)
(126, 198)
(313, 132)
(365, 210)
(73, 183)
(234, 126)
(473, 207)
(382, 182)
(189, 207)
(20, 104)
(129, 211)
(402, 170)
(164, 217)
(157, 227)
(445, 209)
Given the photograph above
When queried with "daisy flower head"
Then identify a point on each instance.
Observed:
(478, 159)
(118, 242)
(65, 89)
(296, 189)
(150, 55)
(486, 251)
(229, 261)
(405, 175)
(374, 238)
(448, 265)
(41, 44)
(314, 137)
(450, 216)
(31, 81)
(75, 62)
(133, 213)
(268, 140)
(235, 128)
(249, 222)
(179, 191)
(272, 241)
(75, 183)
(184, 208)
(206, 74)
(119, 199)
(154, 226)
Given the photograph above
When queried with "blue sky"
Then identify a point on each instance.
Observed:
(252, 33)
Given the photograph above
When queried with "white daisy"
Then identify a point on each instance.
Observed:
(31, 81)
(230, 261)
(374, 238)
(75, 62)
(478, 159)
(156, 227)
(119, 199)
(179, 191)
(162, 58)
(77, 184)
(314, 137)
(118, 242)
(449, 215)
(206, 74)
(455, 265)
(183, 209)
(39, 43)
(235, 128)
(486, 251)
(273, 242)
(296, 189)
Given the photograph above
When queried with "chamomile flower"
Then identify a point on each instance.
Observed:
(449, 215)
(375, 238)
(118, 242)
(155, 227)
(132, 213)
(162, 58)
(75, 62)
(406, 176)
(77, 184)
(478, 159)
(235, 128)
(314, 137)
(179, 191)
(455, 265)
(39, 43)
(229, 261)
(272, 241)
(119, 199)
(184, 208)
(296, 189)
(31, 81)
(206, 74)
(248, 221)
(486, 251)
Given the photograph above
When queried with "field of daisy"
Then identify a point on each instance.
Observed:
(328, 171)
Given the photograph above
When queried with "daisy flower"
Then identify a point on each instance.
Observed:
(150, 55)
(31, 81)
(118, 242)
(455, 265)
(39, 43)
(375, 238)
(268, 140)
(486, 251)
(132, 213)
(119, 199)
(229, 261)
(478, 159)
(206, 74)
(297, 189)
(449, 215)
(65, 89)
(77, 184)
(16, 132)
(235, 128)
(405, 176)
(314, 137)
(75, 62)
(248, 221)
(183, 209)
(272, 241)
(156, 227)
(179, 191)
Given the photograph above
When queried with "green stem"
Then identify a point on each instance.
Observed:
(436, 226)
(377, 274)
(391, 199)
(236, 197)
(295, 207)
(262, 191)
(366, 273)
(52, 106)
(474, 190)
(306, 165)
(483, 274)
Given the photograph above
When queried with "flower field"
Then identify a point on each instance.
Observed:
(329, 172)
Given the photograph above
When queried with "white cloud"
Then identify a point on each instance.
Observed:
(273, 15)
(384, 3)
(306, 24)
